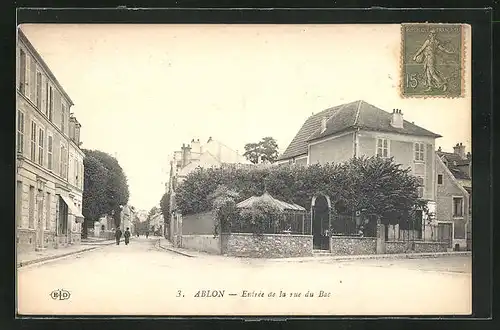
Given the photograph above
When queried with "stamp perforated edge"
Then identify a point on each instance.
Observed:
(463, 62)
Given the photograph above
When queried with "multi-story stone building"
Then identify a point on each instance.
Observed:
(49, 182)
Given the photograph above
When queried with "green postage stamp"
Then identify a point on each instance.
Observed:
(432, 60)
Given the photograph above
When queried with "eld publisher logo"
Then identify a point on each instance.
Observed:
(60, 294)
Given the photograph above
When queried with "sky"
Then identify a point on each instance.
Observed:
(141, 91)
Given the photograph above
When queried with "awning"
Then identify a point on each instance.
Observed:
(72, 208)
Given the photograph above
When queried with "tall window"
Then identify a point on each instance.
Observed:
(33, 141)
(41, 145)
(382, 148)
(63, 117)
(22, 71)
(32, 79)
(19, 203)
(32, 207)
(440, 179)
(39, 90)
(419, 152)
(50, 103)
(20, 131)
(50, 148)
(458, 206)
(63, 163)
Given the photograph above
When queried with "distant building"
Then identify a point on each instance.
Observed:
(191, 156)
(49, 179)
(127, 218)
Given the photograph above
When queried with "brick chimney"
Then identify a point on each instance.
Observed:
(397, 118)
(459, 150)
(195, 149)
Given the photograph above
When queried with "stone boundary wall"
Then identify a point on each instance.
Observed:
(204, 243)
(267, 245)
(353, 245)
(392, 247)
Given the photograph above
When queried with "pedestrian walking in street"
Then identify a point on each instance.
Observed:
(147, 233)
(127, 236)
(118, 235)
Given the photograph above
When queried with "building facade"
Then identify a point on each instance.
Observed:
(184, 161)
(454, 196)
(49, 180)
(358, 129)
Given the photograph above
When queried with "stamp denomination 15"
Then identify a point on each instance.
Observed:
(432, 58)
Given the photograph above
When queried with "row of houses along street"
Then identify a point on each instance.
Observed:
(334, 136)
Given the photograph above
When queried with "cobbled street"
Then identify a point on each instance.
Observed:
(140, 279)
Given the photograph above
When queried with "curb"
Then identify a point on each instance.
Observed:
(175, 251)
(54, 257)
(378, 256)
(107, 242)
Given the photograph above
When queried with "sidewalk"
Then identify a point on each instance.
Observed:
(28, 258)
(375, 256)
(33, 257)
(164, 244)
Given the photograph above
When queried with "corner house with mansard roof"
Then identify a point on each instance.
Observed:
(49, 180)
(355, 129)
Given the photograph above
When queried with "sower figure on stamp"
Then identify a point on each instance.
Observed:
(118, 235)
(429, 51)
(127, 236)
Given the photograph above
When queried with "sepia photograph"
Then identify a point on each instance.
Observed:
(243, 169)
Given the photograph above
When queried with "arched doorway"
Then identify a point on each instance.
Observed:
(320, 214)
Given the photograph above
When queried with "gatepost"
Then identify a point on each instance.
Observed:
(380, 237)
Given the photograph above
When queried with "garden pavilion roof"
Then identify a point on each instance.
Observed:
(283, 206)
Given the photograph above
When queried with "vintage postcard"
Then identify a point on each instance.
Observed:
(226, 170)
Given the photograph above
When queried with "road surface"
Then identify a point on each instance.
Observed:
(139, 279)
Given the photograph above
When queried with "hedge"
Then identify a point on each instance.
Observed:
(374, 185)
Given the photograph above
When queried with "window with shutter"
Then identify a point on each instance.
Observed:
(20, 132)
(33, 142)
(51, 103)
(39, 90)
(32, 82)
(50, 146)
(41, 142)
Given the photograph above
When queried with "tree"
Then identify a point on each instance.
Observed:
(252, 152)
(265, 150)
(269, 149)
(223, 208)
(94, 190)
(117, 190)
